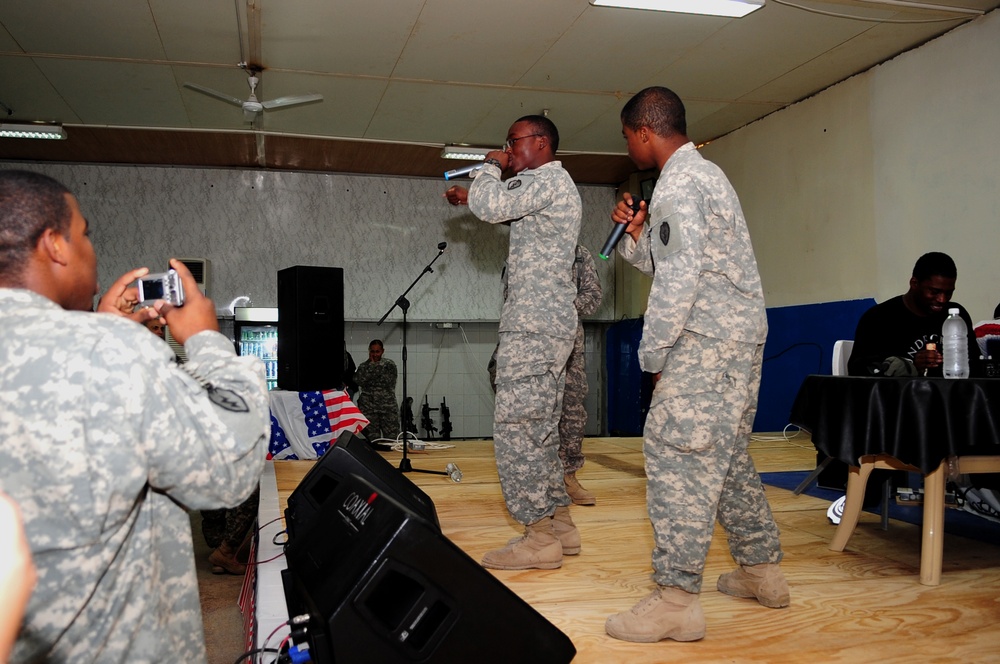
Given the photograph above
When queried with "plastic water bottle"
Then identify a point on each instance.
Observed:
(955, 336)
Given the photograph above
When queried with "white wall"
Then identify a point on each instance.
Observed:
(383, 231)
(843, 191)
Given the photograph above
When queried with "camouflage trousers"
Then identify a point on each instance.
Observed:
(697, 465)
(531, 374)
(573, 420)
(382, 412)
(230, 525)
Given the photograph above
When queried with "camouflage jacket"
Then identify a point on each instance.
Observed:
(377, 379)
(545, 211)
(588, 283)
(697, 248)
(106, 442)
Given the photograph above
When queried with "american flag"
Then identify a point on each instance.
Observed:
(320, 419)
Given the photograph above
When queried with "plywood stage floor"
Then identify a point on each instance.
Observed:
(863, 605)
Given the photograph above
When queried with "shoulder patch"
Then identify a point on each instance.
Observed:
(665, 233)
(228, 400)
(513, 183)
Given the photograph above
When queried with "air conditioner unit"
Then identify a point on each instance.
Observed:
(200, 268)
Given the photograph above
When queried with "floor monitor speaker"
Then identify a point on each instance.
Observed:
(351, 454)
(382, 584)
(310, 328)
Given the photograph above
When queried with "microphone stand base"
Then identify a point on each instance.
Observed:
(406, 467)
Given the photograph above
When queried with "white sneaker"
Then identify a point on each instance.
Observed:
(836, 510)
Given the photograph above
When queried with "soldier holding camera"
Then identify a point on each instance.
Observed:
(107, 442)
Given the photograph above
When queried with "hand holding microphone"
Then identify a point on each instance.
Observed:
(464, 170)
(624, 215)
(498, 156)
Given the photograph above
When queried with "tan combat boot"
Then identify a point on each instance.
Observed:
(764, 582)
(538, 548)
(566, 531)
(224, 561)
(577, 493)
(668, 613)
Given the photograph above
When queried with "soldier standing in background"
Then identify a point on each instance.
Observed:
(377, 379)
(704, 330)
(538, 324)
(574, 414)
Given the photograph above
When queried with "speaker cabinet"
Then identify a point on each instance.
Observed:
(351, 454)
(310, 328)
(382, 584)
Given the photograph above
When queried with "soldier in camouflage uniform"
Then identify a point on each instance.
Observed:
(107, 442)
(538, 324)
(573, 418)
(574, 415)
(377, 379)
(704, 331)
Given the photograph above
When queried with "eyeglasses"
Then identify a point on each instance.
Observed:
(509, 145)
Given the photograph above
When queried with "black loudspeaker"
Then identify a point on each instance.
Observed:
(382, 584)
(310, 328)
(351, 454)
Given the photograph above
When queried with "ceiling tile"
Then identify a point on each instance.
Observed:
(618, 49)
(483, 42)
(436, 113)
(107, 28)
(198, 30)
(361, 38)
(25, 90)
(117, 93)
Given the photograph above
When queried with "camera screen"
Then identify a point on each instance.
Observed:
(152, 290)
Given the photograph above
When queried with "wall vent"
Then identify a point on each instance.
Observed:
(200, 270)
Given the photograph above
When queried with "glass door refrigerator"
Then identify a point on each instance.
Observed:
(256, 333)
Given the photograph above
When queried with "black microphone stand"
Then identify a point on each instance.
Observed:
(404, 305)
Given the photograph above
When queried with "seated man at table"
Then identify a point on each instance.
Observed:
(892, 338)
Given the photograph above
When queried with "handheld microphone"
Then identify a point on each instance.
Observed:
(617, 232)
(464, 170)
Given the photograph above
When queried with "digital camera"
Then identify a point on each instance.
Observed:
(164, 286)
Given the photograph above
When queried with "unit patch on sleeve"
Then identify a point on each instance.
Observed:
(665, 233)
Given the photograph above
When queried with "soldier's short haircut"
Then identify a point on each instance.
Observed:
(376, 342)
(934, 264)
(542, 125)
(658, 108)
(30, 204)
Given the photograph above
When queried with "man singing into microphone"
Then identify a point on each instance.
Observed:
(537, 329)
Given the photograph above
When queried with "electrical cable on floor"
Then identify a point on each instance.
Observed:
(252, 653)
(784, 437)
(424, 446)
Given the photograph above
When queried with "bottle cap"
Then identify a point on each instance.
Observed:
(953, 311)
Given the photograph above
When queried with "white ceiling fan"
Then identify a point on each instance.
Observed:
(252, 106)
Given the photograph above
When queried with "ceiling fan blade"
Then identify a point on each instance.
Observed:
(215, 93)
(292, 101)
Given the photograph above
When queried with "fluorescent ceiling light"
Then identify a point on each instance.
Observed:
(31, 130)
(734, 8)
(466, 152)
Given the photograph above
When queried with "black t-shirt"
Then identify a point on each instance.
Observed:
(891, 329)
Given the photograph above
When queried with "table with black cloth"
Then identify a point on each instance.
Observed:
(916, 424)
